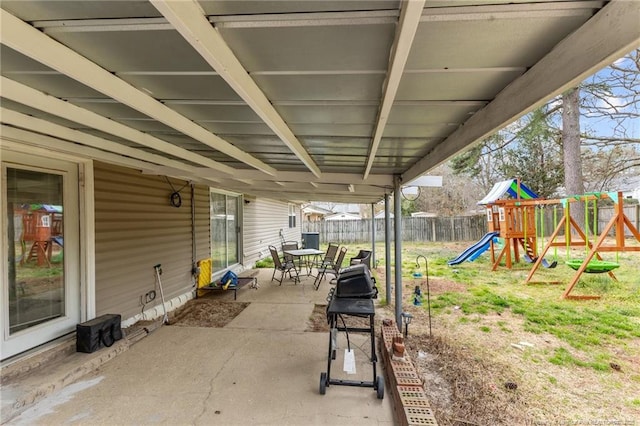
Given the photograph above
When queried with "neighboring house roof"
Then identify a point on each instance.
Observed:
(631, 187)
(313, 209)
(509, 187)
(380, 215)
(346, 208)
(342, 216)
(423, 214)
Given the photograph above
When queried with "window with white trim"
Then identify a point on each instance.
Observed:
(292, 216)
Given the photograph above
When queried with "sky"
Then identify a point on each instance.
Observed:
(620, 99)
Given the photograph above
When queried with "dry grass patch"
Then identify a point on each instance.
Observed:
(464, 388)
(547, 393)
(206, 312)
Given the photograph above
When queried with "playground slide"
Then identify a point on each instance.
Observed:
(473, 251)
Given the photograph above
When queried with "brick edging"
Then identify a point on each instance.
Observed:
(410, 402)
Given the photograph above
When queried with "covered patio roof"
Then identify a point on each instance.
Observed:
(292, 100)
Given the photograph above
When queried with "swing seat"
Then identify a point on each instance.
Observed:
(594, 266)
(548, 265)
(544, 262)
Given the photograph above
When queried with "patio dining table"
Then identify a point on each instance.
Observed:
(306, 256)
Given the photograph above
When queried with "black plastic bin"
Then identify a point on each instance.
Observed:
(311, 240)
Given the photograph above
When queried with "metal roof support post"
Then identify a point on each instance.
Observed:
(387, 248)
(373, 235)
(397, 222)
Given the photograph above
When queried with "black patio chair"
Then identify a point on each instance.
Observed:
(331, 269)
(363, 256)
(283, 266)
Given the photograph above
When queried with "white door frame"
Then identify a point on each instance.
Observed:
(86, 236)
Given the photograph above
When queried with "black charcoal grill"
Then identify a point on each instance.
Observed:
(352, 296)
(356, 282)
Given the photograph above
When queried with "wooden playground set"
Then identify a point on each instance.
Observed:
(520, 223)
(41, 227)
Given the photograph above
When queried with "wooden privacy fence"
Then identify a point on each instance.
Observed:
(457, 228)
(606, 213)
(443, 229)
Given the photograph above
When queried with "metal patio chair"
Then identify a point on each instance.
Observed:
(290, 245)
(283, 266)
(363, 256)
(332, 269)
(329, 256)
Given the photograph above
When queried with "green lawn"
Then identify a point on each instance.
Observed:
(594, 329)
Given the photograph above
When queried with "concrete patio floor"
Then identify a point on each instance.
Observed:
(262, 368)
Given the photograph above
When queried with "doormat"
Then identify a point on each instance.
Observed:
(206, 312)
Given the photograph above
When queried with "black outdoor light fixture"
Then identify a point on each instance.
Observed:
(406, 318)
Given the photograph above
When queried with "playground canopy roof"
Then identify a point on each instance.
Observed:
(509, 187)
(292, 100)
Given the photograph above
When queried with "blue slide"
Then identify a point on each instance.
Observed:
(475, 250)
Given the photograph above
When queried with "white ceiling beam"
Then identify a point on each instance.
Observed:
(321, 19)
(33, 98)
(315, 196)
(303, 187)
(583, 52)
(189, 20)
(405, 33)
(34, 44)
(303, 103)
(249, 182)
(294, 185)
(113, 24)
(515, 14)
(306, 19)
(464, 70)
(329, 178)
(11, 135)
(511, 11)
(268, 73)
(296, 19)
(18, 119)
(15, 139)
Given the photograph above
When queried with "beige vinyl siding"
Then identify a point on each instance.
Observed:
(263, 220)
(137, 228)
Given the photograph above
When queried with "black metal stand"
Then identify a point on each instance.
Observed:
(350, 307)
